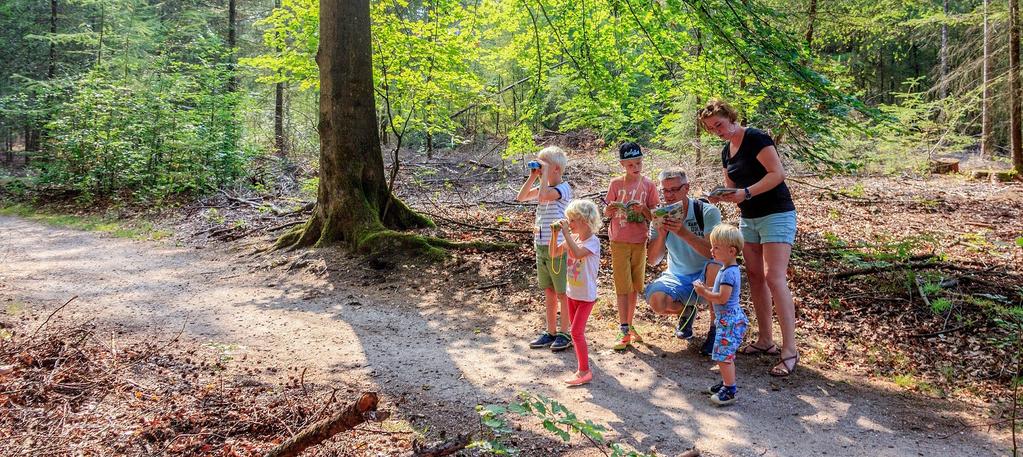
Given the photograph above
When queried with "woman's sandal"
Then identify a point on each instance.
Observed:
(752, 349)
(782, 369)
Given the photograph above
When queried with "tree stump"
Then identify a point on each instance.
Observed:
(944, 166)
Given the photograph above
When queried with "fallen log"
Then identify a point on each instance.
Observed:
(362, 410)
(442, 449)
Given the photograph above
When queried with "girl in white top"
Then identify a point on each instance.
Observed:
(583, 246)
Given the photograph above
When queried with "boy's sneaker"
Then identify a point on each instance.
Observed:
(684, 328)
(561, 342)
(715, 388)
(634, 334)
(544, 340)
(708, 344)
(624, 340)
(724, 397)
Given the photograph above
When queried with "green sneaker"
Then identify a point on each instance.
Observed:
(635, 335)
(624, 341)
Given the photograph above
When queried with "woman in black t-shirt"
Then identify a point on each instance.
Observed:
(768, 222)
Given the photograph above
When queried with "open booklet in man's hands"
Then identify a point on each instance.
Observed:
(672, 211)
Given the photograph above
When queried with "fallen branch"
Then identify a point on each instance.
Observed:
(481, 164)
(442, 449)
(304, 209)
(230, 237)
(491, 286)
(365, 409)
(890, 267)
(830, 191)
(920, 288)
(274, 209)
(477, 227)
(942, 332)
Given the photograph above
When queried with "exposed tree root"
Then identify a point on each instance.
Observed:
(368, 235)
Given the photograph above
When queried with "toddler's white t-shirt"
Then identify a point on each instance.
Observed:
(582, 273)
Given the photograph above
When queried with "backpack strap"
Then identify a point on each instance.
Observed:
(698, 212)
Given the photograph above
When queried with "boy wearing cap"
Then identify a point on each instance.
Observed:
(629, 199)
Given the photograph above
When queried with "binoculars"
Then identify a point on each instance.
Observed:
(534, 165)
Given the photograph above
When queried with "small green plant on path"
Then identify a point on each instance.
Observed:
(556, 419)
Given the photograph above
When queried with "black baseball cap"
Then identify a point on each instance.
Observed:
(630, 150)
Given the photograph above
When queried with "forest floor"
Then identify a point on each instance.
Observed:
(219, 330)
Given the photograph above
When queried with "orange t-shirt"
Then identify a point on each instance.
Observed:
(643, 191)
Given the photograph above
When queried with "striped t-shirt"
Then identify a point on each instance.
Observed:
(549, 212)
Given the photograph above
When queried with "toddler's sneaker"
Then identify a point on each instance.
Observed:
(715, 388)
(684, 328)
(561, 342)
(544, 340)
(725, 396)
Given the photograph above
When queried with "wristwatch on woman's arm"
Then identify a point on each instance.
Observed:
(748, 194)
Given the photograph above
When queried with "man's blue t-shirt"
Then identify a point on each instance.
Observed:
(682, 258)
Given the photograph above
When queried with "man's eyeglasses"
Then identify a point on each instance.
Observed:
(671, 190)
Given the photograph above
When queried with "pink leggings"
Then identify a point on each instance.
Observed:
(579, 313)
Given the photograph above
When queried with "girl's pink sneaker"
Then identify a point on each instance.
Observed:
(584, 379)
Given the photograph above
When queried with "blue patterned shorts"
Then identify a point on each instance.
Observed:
(731, 329)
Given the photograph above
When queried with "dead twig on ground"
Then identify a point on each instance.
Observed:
(54, 312)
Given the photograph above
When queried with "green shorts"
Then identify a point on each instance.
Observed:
(550, 275)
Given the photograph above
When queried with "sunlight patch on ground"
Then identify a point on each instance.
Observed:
(827, 411)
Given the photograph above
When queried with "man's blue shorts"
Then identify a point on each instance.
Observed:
(679, 288)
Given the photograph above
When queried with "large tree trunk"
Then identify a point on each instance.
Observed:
(1015, 135)
(943, 54)
(52, 69)
(232, 43)
(812, 13)
(986, 137)
(280, 145)
(352, 190)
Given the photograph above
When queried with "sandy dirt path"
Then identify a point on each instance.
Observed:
(435, 353)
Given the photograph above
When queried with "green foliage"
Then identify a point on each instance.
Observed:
(940, 305)
(625, 70)
(554, 417)
(881, 253)
(422, 65)
(139, 104)
(310, 187)
(520, 142)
